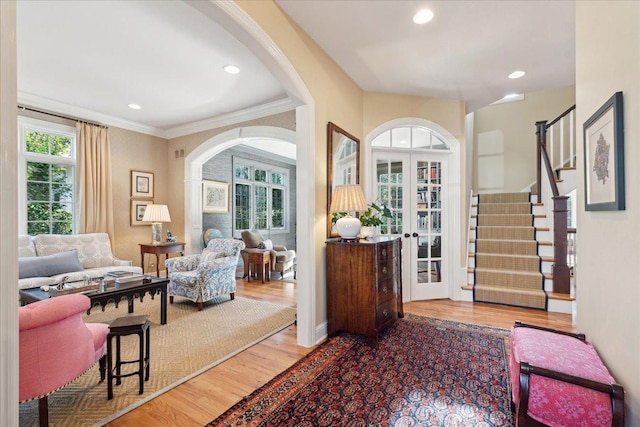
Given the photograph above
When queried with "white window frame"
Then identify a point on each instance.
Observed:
(253, 165)
(26, 124)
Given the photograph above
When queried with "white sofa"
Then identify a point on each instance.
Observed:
(82, 254)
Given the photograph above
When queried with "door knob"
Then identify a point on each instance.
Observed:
(407, 235)
(415, 234)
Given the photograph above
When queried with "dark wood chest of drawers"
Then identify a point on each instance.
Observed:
(364, 286)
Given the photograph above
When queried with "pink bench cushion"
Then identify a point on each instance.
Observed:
(554, 402)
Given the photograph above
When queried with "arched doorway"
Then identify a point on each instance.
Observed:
(204, 152)
(413, 167)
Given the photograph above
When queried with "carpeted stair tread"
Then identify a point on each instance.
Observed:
(508, 262)
(502, 220)
(511, 247)
(504, 197)
(510, 296)
(509, 278)
(508, 233)
(504, 208)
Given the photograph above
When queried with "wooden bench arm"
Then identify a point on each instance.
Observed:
(519, 324)
(614, 390)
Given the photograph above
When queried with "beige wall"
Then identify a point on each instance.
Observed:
(608, 244)
(505, 141)
(136, 151)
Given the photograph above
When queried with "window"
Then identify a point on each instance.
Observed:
(47, 177)
(260, 194)
(415, 137)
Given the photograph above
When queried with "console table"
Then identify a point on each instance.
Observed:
(159, 249)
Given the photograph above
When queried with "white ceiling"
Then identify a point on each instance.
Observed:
(92, 58)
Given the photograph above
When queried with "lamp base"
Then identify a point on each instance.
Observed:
(156, 233)
(348, 227)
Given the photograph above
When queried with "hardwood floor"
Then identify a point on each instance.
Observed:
(205, 397)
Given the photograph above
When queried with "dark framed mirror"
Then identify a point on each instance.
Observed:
(343, 164)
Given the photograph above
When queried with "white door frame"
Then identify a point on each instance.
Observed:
(453, 194)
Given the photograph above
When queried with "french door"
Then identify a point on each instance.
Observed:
(412, 185)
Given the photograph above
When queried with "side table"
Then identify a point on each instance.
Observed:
(263, 259)
(159, 249)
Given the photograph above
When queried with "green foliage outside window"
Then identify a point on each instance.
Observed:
(49, 186)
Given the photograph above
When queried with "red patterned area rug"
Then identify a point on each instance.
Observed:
(424, 372)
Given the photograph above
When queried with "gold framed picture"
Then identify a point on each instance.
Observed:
(141, 184)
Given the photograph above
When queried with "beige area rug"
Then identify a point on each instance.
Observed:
(190, 343)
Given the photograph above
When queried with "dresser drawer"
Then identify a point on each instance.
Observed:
(385, 269)
(386, 314)
(385, 290)
(385, 251)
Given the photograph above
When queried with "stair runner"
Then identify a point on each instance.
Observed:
(507, 266)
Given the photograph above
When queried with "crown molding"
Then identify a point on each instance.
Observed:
(52, 106)
(44, 104)
(275, 107)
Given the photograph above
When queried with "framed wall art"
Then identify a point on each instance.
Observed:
(215, 197)
(604, 157)
(137, 211)
(141, 184)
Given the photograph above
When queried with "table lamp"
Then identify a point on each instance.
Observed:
(348, 198)
(156, 215)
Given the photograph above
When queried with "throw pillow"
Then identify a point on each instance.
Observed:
(210, 255)
(49, 265)
(266, 244)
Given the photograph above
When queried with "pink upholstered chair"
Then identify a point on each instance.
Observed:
(56, 347)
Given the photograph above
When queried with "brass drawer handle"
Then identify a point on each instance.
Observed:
(384, 252)
(384, 270)
(385, 290)
(385, 313)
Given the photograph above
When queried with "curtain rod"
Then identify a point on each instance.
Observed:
(75, 119)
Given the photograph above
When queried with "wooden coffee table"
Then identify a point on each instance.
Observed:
(113, 293)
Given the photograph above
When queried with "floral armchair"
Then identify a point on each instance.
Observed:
(205, 276)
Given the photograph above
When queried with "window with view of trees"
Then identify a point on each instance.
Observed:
(259, 195)
(47, 165)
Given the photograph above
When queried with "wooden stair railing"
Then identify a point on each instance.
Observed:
(561, 271)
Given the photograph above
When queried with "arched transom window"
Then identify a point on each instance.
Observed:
(410, 137)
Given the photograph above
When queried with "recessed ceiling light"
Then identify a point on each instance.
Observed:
(134, 106)
(516, 74)
(423, 16)
(231, 69)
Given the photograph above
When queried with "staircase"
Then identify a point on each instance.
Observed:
(507, 268)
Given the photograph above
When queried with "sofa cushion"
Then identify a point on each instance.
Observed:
(50, 265)
(94, 249)
(26, 247)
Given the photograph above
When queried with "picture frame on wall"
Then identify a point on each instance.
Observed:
(604, 157)
(141, 184)
(137, 212)
(215, 197)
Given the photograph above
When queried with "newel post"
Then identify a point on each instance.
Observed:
(541, 143)
(561, 273)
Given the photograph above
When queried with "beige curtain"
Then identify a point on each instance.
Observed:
(94, 170)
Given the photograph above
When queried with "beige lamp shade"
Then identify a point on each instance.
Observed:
(348, 198)
(156, 215)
